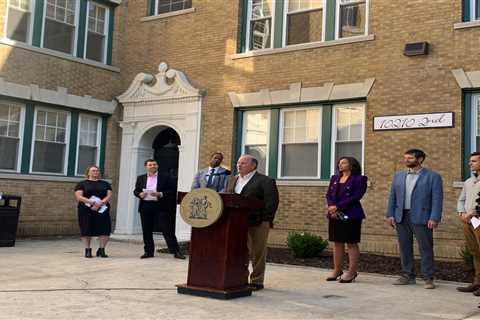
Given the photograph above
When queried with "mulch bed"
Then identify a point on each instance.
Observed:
(372, 263)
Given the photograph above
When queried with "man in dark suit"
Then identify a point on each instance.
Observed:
(214, 177)
(155, 191)
(251, 183)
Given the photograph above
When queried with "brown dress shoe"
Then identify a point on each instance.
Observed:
(470, 288)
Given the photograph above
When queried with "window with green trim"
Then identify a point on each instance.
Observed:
(11, 123)
(89, 138)
(475, 123)
(471, 10)
(351, 18)
(97, 32)
(304, 21)
(51, 138)
(165, 6)
(19, 20)
(310, 138)
(259, 24)
(60, 24)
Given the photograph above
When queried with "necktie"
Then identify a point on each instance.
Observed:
(210, 178)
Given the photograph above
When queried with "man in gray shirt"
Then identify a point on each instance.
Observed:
(466, 211)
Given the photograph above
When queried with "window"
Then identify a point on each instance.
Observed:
(299, 140)
(260, 24)
(10, 128)
(88, 142)
(348, 132)
(255, 137)
(19, 20)
(96, 32)
(59, 25)
(164, 6)
(474, 9)
(351, 17)
(304, 22)
(50, 143)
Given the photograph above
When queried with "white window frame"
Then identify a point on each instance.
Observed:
(99, 140)
(285, 19)
(249, 16)
(334, 133)
(21, 129)
(474, 122)
(280, 143)
(106, 28)
(337, 18)
(244, 131)
(156, 8)
(67, 141)
(75, 36)
(30, 31)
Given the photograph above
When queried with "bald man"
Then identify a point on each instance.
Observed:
(251, 183)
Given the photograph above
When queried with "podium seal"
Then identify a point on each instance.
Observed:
(201, 207)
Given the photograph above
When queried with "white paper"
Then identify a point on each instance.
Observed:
(97, 200)
(149, 191)
(475, 222)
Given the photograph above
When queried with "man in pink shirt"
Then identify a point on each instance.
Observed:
(155, 191)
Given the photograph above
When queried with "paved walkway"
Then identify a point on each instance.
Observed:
(49, 279)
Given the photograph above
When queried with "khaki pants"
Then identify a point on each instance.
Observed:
(472, 238)
(257, 251)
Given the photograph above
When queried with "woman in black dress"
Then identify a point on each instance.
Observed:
(93, 196)
(345, 215)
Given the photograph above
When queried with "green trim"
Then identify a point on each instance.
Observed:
(278, 27)
(237, 145)
(466, 11)
(27, 138)
(37, 23)
(273, 143)
(82, 25)
(330, 20)
(72, 149)
(243, 26)
(103, 144)
(151, 8)
(467, 132)
(326, 142)
(111, 21)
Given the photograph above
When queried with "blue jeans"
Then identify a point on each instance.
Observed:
(405, 232)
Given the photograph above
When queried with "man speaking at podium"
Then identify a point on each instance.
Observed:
(251, 183)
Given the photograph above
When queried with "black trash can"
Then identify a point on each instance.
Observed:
(9, 212)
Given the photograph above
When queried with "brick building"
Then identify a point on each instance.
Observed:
(297, 83)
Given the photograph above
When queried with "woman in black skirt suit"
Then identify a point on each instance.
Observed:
(345, 215)
(93, 219)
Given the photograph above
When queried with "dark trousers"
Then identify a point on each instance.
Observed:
(147, 215)
(405, 231)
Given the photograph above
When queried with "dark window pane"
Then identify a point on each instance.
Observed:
(352, 20)
(259, 152)
(300, 160)
(348, 149)
(477, 7)
(86, 156)
(304, 27)
(58, 36)
(18, 25)
(8, 153)
(48, 157)
(95, 46)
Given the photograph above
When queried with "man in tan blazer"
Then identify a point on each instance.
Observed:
(251, 183)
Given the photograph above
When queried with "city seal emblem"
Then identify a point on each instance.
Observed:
(201, 207)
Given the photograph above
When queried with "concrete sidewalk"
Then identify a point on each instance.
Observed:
(49, 279)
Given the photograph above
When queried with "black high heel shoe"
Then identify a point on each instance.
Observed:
(335, 278)
(101, 253)
(88, 252)
(348, 280)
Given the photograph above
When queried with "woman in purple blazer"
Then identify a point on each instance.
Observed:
(345, 215)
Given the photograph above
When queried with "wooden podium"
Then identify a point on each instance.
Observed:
(218, 253)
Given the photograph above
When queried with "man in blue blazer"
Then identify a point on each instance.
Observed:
(415, 208)
(214, 177)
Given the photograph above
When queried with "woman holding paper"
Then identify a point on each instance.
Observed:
(93, 196)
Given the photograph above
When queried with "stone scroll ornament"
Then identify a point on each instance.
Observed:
(201, 207)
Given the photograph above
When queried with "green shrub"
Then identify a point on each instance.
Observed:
(306, 245)
(467, 258)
